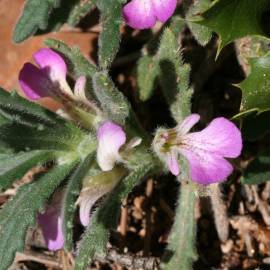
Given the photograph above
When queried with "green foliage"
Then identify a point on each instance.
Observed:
(80, 10)
(105, 218)
(60, 15)
(111, 99)
(202, 33)
(147, 71)
(255, 87)
(168, 68)
(180, 252)
(20, 213)
(109, 39)
(71, 194)
(35, 16)
(233, 19)
(174, 76)
(14, 166)
(20, 137)
(19, 110)
(258, 171)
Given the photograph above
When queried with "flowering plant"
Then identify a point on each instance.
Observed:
(103, 141)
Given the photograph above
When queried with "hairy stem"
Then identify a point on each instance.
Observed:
(180, 252)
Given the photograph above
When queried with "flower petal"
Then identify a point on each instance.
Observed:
(51, 225)
(88, 198)
(221, 137)
(110, 138)
(34, 83)
(187, 124)
(87, 201)
(205, 167)
(139, 14)
(79, 89)
(164, 9)
(52, 63)
(172, 163)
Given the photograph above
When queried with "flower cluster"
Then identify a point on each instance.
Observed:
(205, 150)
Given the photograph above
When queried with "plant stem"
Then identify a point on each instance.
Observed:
(181, 252)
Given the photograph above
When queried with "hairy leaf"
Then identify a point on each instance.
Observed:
(20, 213)
(147, 71)
(35, 16)
(71, 194)
(106, 218)
(174, 76)
(180, 252)
(19, 110)
(14, 166)
(80, 10)
(21, 138)
(111, 99)
(233, 19)
(109, 39)
(202, 33)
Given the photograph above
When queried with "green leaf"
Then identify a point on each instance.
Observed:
(78, 64)
(105, 218)
(233, 19)
(109, 39)
(20, 213)
(258, 171)
(202, 33)
(255, 88)
(71, 193)
(180, 253)
(174, 76)
(147, 72)
(79, 11)
(59, 16)
(35, 16)
(14, 166)
(20, 138)
(17, 109)
(111, 99)
(3, 120)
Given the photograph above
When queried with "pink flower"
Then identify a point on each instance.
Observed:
(205, 150)
(143, 14)
(51, 224)
(49, 78)
(111, 137)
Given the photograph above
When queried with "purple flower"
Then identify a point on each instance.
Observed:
(205, 150)
(111, 137)
(48, 79)
(143, 14)
(51, 224)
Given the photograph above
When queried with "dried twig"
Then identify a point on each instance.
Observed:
(38, 257)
